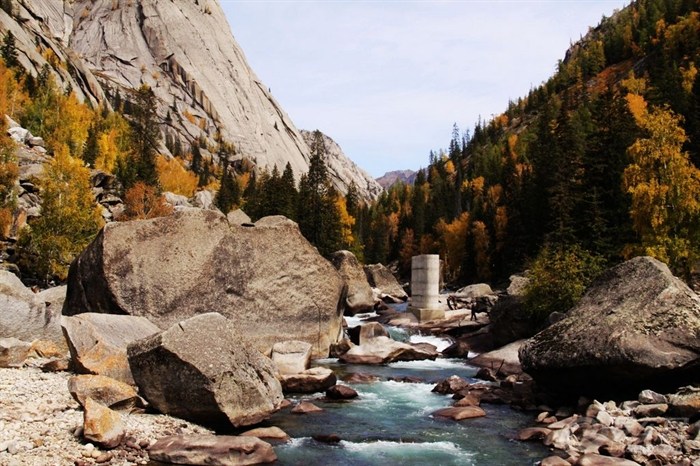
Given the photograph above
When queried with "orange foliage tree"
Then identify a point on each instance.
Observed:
(142, 201)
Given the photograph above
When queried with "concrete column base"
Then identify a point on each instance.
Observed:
(424, 315)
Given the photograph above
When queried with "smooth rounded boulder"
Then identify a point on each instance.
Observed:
(266, 277)
(384, 350)
(204, 371)
(25, 315)
(636, 327)
(359, 297)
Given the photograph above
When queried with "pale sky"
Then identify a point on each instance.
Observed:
(387, 79)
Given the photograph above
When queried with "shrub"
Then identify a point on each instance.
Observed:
(141, 201)
(558, 278)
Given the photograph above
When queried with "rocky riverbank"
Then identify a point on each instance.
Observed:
(655, 429)
(41, 424)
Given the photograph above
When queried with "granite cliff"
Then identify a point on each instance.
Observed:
(186, 53)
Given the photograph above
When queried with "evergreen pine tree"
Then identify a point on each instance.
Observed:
(196, 164)
(145, 136)
(6, 5)
(288, 193)
(318, 218)
(92, 149)
(9, 50)
(229, 195)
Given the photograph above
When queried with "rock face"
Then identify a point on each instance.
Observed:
(202, 370)
(186, 53)
(359, 297)
(267, 278)
(24, 314)
(344, 171)
(637, 327)
(98, 342)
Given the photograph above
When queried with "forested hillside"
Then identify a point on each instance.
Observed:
(597, 164)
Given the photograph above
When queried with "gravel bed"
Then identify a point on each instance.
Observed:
(41, 425)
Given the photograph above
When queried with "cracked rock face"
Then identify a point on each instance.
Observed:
(186, 53)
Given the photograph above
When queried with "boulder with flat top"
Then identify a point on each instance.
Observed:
(266, 277)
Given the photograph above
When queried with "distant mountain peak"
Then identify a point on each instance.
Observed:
(390, 178)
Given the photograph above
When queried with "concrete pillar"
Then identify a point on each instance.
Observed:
(425, 287)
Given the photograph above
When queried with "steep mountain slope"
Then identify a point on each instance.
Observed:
(185, 52)
(339, 166)
(603, 159)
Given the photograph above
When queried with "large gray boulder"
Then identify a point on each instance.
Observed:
(202, 370)
(97, 342)
(359, 298)
(381, 278)
(268, 279)
(24, 314)
(636, 327)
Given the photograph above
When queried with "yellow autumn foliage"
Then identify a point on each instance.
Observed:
(141, 201)
(347, 221)
(453, 243)
(68, 124)
(664, 187)
(174, 177)
(69, 220)
(113, 142)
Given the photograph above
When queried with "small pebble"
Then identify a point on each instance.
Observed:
(103, 458)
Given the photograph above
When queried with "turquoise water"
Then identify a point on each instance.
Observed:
(391, 423)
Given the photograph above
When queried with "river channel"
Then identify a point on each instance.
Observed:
(390, 423)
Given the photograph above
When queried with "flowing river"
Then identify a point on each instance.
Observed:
(390, 423)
